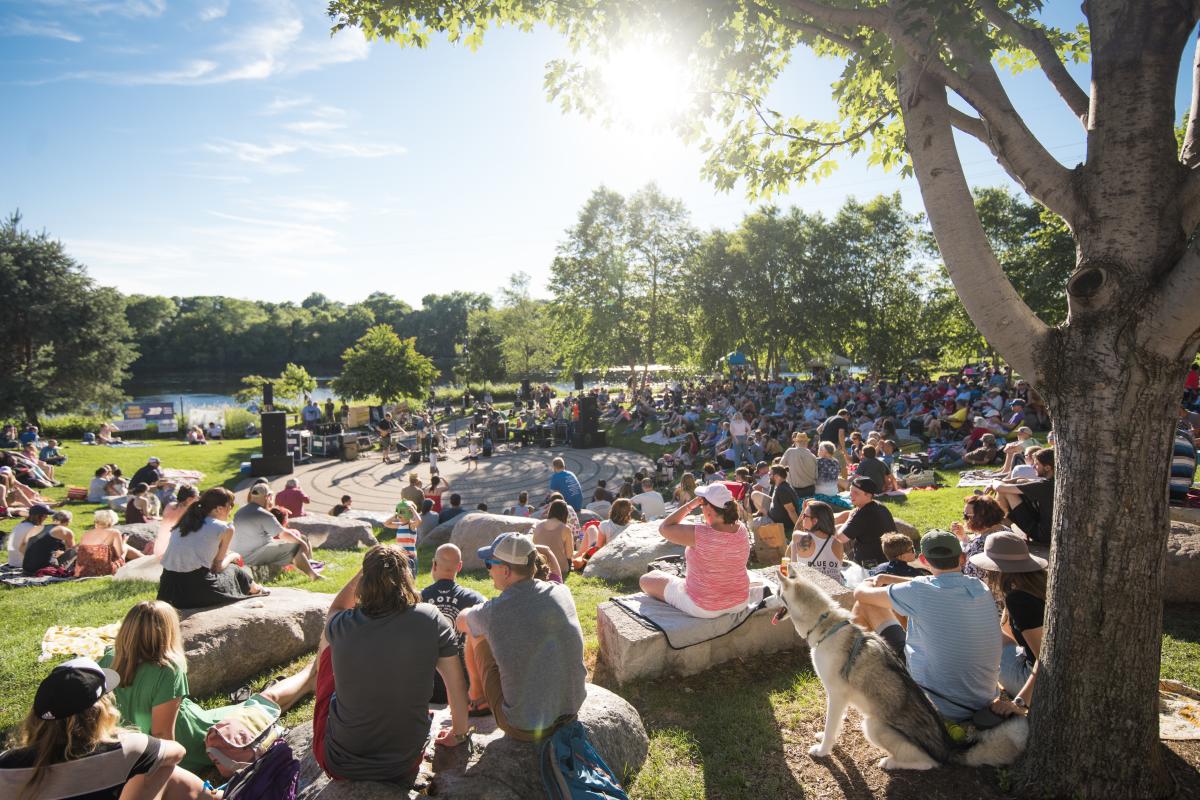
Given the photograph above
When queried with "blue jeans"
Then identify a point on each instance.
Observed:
(1014, 669)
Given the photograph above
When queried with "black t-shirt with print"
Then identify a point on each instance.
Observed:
(1025, 613)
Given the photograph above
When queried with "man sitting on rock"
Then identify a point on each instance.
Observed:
(865, 524)
(524, 648)
(375, 668)
(448, 597)
(262, 540)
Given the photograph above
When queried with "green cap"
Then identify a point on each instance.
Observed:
(940, 544)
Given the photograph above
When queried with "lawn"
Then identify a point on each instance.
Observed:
(735, 731)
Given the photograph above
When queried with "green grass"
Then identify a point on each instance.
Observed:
(723, 733)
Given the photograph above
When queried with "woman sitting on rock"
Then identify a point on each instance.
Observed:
(153, 692)
(620, 517)
(717, 549)
(102, 549)
(199, 569)
(70, 745)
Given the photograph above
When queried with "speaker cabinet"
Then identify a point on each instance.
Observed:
(274, 434)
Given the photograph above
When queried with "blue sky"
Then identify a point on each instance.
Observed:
(233, 147)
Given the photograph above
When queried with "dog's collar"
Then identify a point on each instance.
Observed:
(820, 619)
(832, 631)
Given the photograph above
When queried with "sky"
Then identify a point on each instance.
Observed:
(234, 147)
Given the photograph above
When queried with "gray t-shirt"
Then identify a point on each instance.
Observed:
(534, 634)
(197, 550)
(874, 469)
(253, 527)
(383, 669)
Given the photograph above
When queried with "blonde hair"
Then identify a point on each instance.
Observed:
(149, 634)
(387, 584)
(105, 518)
(56, 740)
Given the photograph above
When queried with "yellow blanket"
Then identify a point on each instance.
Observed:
(62, 640)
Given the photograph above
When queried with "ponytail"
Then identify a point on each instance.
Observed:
(212, 499)
(729, 512)
(541, 569)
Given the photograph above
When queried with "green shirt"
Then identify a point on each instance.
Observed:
(154, 685)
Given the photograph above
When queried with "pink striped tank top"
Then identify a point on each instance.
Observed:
(716, 568)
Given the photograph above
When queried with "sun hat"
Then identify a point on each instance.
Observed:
(511, 548)
(73, 687)
(1006, 551)
(799, 436)
(940, 544)
(716, 494)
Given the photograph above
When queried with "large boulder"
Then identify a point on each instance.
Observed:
(908, 529)
(140, 534)
(478, 528)
(374, 518)
(496, 767)
(334, 533)
(228, 645)
(1181, 575)
(441, 534)
(630, 554)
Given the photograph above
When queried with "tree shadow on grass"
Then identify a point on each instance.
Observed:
(728, 713)
(1182, 622)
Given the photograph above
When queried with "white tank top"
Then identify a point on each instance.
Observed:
(823, 559)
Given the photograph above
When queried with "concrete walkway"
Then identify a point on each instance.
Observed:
(376, 486)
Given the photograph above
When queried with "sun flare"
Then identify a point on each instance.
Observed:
(646, 87)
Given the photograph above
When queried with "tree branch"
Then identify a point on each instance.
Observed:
(1174, 327)
(1189, 154)
(968, 124)
(993, 304)
(842, 40)
(773, 131)
(843, 17)
(1036, 41)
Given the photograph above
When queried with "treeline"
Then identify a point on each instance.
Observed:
(633, 283)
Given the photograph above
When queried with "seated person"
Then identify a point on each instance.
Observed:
(555, 533)
(781, 505)
(371, 729)
(650, 501)
(899, 552)
(716, 553)
(52, 546)
(73, 706)
(620, 517)
(450, 598)
(153, 692)
(199, 568)
(952, 644)
(263, 541)
(870, 466)
(195, 435)
(522, 507)
(815, 543)
(453, 510)
(50, 454)
(342, 506)
(107, 434)
(102, 549)
(429, 520)
(38, 513)
(1030, 504)
(139, 508)
(149, 473)
(118, 484)
(405, 522)
(865, 524)
(293, 498)
(982, 456)
(530, 615)
(215, 431)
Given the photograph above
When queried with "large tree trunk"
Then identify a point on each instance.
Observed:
(1095, 711)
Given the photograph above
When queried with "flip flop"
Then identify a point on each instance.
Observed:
(241, 694)
(478, 708)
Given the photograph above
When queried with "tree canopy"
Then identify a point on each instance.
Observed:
(383, 365)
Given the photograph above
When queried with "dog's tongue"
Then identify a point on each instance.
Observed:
(778, 616)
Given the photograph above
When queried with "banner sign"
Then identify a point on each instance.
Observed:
(161, 414)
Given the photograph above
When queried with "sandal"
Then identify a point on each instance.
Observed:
(478, 708)
(241, 694)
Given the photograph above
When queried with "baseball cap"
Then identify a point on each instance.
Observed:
(152, 460)
(940, 544)
(717, 494)
(511, 548)
(1024, 429)
(865, 484)
(40, 508)
(1017, 402)
(260, 490)
(73, 687)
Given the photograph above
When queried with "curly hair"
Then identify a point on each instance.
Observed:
(985, 512)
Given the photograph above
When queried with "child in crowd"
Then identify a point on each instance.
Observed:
(405, 522)
(342, 507)
(899, 551)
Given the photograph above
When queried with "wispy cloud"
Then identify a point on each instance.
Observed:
(124, 8)
(314, 126)
(49, 30)
(249, 152)
(281, 104)
(214, 12)
(269, 156)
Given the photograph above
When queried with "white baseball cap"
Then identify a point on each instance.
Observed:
(717, 494)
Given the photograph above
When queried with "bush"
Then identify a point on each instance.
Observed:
(65, 427)
(236, 420)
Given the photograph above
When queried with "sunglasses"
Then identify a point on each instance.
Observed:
(489, 564)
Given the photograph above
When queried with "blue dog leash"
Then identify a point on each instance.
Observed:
(855, 648)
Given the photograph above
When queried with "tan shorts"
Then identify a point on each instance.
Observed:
(489, 674)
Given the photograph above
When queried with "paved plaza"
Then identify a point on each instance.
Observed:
(376, 486)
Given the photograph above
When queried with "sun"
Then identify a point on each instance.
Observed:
(646, 87)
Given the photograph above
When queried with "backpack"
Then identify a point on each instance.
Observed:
(573, 770)
(274, 776)
(243, 736)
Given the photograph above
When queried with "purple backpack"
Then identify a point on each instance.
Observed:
(273, 776)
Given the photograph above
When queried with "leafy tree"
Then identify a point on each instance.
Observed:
(524, 328)
(483, 354)
(1110, 373)
(440, 325)
(291, 384)
(64, 342)
(383, 365)
(148, 314)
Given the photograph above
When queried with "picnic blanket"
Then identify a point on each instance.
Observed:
(191, 476)
(682, 630)
(62, 640)
(1178, 711)
(14, 578)
(658, 437)
(978, 477)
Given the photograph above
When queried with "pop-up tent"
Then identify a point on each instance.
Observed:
(831, 360)
(736, 359)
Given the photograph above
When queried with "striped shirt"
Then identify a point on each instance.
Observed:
(954, 642)
(716, 568)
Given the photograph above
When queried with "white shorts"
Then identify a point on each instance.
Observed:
(676, 595)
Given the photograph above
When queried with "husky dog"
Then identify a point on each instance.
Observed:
(859, 668)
